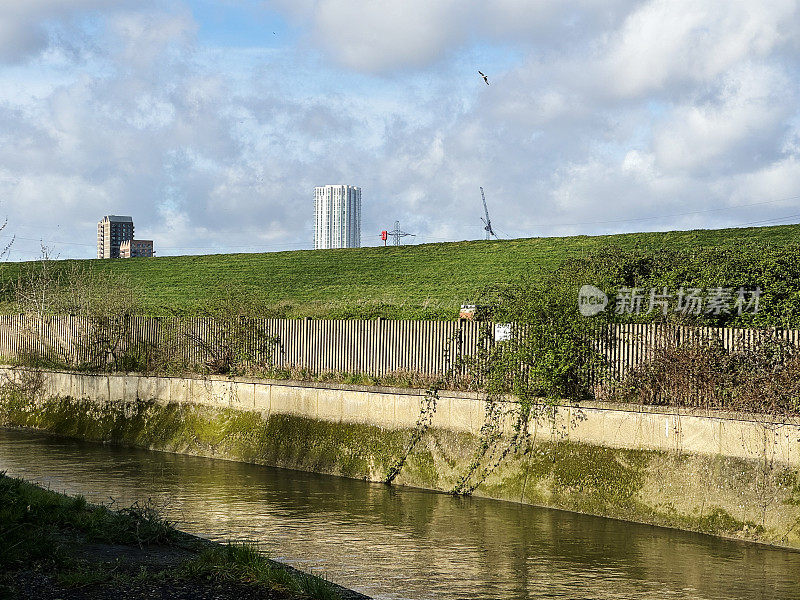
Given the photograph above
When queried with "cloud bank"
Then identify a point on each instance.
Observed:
(598, 118)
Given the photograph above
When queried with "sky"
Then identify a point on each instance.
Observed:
(210, 122)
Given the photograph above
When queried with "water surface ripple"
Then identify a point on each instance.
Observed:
(394, 543)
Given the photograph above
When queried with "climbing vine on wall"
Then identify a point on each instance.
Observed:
(551, 350)
(546, 361)
(424, 421)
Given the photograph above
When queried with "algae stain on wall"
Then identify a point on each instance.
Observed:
(350, 450)
(702, 493)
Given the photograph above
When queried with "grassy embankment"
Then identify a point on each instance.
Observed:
(53, 545)
(417, 282)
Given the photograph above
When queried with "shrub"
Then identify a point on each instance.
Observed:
(761, 376)
(552, 352)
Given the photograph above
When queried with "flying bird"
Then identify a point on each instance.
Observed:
(485, 78)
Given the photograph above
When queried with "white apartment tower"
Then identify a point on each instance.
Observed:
(337, 217)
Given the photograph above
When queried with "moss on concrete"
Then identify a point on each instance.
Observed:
(358, 451)
(719, 521)
(789, 479)
(709, 494)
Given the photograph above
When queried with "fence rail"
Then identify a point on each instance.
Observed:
(370, 347)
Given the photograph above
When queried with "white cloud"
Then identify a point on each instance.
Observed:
(667, 42)
(378, 37)
(779, 181)
(149, 37)
(742, 126)
(25, 25)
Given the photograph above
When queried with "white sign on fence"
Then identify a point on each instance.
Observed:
(502, 332)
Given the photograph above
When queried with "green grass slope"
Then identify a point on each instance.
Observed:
(424, 281)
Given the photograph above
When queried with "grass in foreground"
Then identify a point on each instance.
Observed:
(244, 562)
(53, 545)
(38, 525)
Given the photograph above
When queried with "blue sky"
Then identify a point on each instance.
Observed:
(211, 122)
(240, 25)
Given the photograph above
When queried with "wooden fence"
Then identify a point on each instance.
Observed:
(375, 347)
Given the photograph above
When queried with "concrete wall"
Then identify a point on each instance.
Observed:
(728, 474)
(612, 425)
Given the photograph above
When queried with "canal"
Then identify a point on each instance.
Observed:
(393, 543)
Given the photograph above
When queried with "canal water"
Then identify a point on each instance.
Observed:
(395, 543)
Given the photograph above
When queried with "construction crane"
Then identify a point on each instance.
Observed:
(487, 222)
(397, 233)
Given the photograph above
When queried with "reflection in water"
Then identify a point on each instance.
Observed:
(403, 543)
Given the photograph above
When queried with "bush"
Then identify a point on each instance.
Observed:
(762, 376)
(553, 352)
(774, 268)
